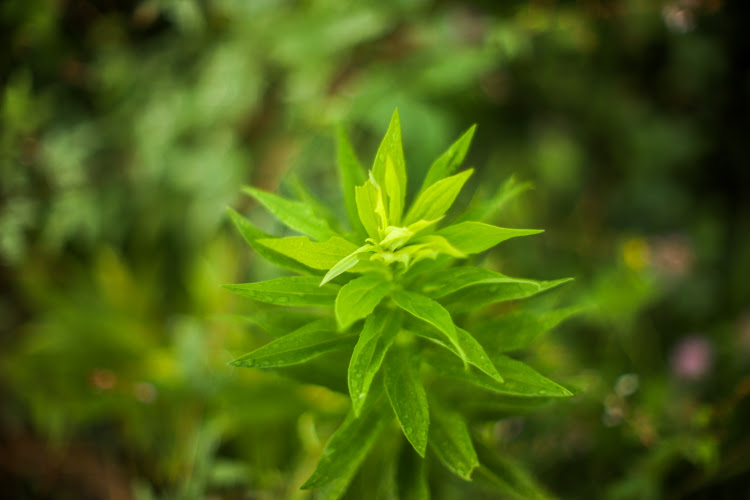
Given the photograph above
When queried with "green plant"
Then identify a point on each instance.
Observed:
(393, 296)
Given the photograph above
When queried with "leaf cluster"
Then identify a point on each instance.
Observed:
(394, 292)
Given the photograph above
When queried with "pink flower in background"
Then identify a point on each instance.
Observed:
(692, 358)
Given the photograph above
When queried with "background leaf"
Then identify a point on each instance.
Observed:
(451, 442)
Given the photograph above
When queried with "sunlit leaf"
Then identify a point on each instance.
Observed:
(345, 264)
(317, 255)
(438, 198)
(352, 175)
(476, 237)
(450, 160)
(296, 215)
(391, 147)
(359, 297)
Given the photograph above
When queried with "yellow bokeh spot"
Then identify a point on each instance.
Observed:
(636, 253)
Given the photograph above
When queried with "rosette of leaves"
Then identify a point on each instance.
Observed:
(395, 294)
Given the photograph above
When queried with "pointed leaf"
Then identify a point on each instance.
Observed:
(501, 474)
(476, 237)
(450, 440)
(348, 446)
(393, 190)
(408, 398)
(289, 291)
(391, 146)
(458, 278)
(352, 175)
(367, 197)
(296, 215)
(345, 264)
(430, 311)
(376, 338)
(449, 161)
(473, 350)
(359, 297)
(474, 297)
(314, 254)
(520, 378)
(487, 210)
(438, 198)
(252, 234)
(301, 345)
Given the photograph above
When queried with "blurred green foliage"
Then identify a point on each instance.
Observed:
(126, 127)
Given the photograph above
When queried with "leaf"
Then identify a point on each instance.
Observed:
(352, 175)
(476, 237)
(314, 254)
(473, 350)
(450, 160)
(438, 198)
(393, 190)
(519, 329)
(359, 297)
(408, 398)
(411, 477)
(289, 291)
(391, 146)
(430, 311)
(252, 234)
(367, 196)
(450, 440)
(345, 264)
(474, 297)
(520, 378)
(376, 338)
(301, 345)
(348, 446)
(296, 215)
(321, 211)
(458, 278)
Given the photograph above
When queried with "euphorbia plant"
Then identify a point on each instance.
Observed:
(396, 292)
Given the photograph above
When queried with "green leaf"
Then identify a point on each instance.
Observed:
(252, 234)
(359, 297)
(376, 338)
(391, 146)
(345, 264)
(314, 254)
(393, 190)
(458, 278)
(520, 378)
(296, 215)
(408, 398)
(450, 440)
(475, 353)
(301, 345)
(367, 196)
(321, 211)
(438, 198)
(289, 291)
(520, 328)
(348, 446)
(474, 297)
(476, 237)
(411, 479)
(352, 175)
(450, 160)
(430, 311)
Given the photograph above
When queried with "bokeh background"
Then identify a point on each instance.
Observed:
(126, 128)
